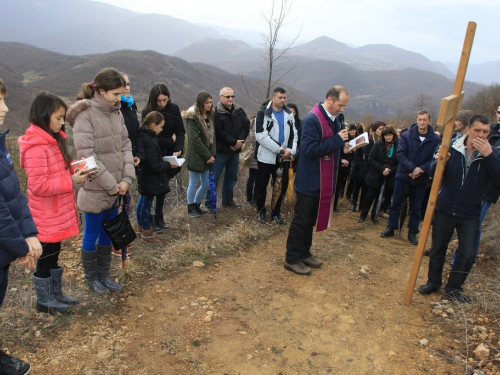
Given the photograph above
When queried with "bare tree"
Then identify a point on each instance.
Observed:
(275, 20)
(485, 101)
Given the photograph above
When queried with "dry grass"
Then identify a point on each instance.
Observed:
(205, 239)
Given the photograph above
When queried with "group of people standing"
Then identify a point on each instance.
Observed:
(106, 126)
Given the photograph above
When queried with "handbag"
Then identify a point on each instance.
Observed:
(246, 155)
(119, 229)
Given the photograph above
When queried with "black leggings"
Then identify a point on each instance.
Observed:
(48, 260)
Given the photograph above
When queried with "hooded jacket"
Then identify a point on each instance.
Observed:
(51, 196)
(199, 149)
(267, 134)
(16, 222)
(229, 127)
(412, 153)
(152, 177)
(99, 131)
(461, 193)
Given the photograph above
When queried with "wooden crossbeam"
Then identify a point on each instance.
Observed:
(447, 114)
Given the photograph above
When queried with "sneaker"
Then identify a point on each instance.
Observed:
(278, 220)
(299, 268)
(384, 215)
(457, 296)
(12, 365)
(388, 232)
(261, 218)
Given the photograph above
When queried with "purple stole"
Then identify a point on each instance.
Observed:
(327, 169)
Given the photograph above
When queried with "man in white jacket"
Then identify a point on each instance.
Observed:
(276, 135)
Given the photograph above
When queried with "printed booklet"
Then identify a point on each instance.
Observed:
(88, 165)
(359, 141)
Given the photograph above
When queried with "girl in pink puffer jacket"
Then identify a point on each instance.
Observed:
(51, 196)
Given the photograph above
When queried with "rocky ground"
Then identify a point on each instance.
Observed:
(245, 314)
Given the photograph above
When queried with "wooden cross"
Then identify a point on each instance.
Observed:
(447, 114)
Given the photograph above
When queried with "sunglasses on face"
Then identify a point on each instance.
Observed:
(228, 96)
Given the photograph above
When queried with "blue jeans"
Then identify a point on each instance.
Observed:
(94, 231)
(443, 226)
(143, 210)
(228, 162)
(417, 193)
(194, 193)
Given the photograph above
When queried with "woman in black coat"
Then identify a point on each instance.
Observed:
(383, 164)
(171, 138)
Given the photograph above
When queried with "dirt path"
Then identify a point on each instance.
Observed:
(247, 315)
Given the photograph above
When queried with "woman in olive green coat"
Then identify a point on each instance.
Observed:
(200, 150)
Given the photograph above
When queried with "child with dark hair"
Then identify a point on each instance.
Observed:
(51, 196)
(152, 177)
(99, 131)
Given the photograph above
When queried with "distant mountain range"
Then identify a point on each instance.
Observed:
(380, 94)
(81, 27)
(485, 73)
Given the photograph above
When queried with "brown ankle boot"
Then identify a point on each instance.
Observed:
(139, 229)
(149, 236)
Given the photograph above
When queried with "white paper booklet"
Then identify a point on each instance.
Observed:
(174, 159)
(359, 141)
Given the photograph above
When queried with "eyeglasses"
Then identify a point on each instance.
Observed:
(228, 96)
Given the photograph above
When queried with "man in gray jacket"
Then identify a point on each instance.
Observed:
(277, 137)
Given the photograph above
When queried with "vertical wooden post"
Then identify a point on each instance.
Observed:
(447, 113)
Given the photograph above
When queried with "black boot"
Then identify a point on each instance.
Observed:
(46, 299)
(103, 266)
(353, 205)
(57, 281)
(89, 264)
(200, 210)
(154, 224)
(13, 365)
(159, 222)
(192, 211)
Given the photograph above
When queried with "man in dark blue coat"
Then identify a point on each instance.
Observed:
(471, 166)
(17, 230)
(323, 136)
(415, 152)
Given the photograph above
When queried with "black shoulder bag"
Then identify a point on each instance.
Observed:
(119, 229)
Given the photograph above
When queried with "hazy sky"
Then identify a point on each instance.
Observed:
(434, 28)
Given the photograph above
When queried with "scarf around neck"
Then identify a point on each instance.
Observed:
(129, 100)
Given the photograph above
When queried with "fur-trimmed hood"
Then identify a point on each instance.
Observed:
(193, 113)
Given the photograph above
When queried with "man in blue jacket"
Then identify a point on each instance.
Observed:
(472, 164)
(17, 231)
(323, 136)
(415, 152)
